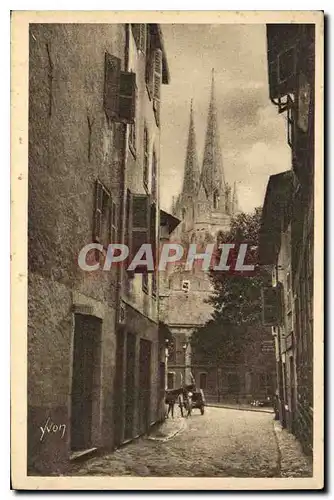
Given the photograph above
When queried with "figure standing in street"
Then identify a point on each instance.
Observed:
(170, 401)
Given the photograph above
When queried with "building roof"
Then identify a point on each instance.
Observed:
(274, 213)
(169, 220)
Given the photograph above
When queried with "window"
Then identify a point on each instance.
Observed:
(133, 131)
(170, 380)
(104, 216)
(186, 285)
(139, 34)
(119, 91)
(146, 159)
(172, 351)
(154, 177)
(138, 225)
(203, 380)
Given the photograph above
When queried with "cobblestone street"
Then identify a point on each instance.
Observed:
(221, 443)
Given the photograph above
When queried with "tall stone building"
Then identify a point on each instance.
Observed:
(95, 352)
(205, 207)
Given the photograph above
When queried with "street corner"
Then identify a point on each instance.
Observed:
(168, 429)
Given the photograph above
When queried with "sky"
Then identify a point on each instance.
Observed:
(252, 133)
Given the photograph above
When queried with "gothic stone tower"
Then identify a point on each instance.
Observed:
(205, 207)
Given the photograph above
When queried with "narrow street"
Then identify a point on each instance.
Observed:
(221, 443)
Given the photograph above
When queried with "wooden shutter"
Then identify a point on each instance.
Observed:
(142, 28)
(127, 97)
(139, 225)
(98, 212)
(157, 79)
(149, 61)
(111, 86)
(139, 34)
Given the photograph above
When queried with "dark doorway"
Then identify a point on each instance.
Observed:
(119, 388)
(86, 379)
(130, 384)
(144, 385)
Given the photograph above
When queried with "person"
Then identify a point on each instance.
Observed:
(180, 402)
(170, 401)
(189, 403)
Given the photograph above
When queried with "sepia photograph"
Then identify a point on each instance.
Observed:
(167, 190)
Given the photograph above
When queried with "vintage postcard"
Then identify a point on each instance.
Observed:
(166, 198)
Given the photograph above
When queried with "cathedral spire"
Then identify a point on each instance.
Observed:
(191, 170)
(212, 170)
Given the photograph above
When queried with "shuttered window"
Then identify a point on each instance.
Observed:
(105, 220)
(157, 84)
(139, 213)
(127, 97)
(139, 34)
(149, 61)
(119, 91)
(111, 85)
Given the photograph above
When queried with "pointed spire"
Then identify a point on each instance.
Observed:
(235, 202)
(191, 175)
(212, 170)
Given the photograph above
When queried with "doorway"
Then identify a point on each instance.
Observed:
(130, 384)
(85, 379)
(119, 388)
(144, 385)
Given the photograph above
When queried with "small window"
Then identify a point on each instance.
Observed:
(146, 159)
(203, 380)
(186, 285)
(172, 351)
(170, 380)
(104, 216)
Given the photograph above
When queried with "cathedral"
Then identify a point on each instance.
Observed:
(205, 207)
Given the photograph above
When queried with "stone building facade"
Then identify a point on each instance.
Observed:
(95, 357)
(291, 69)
